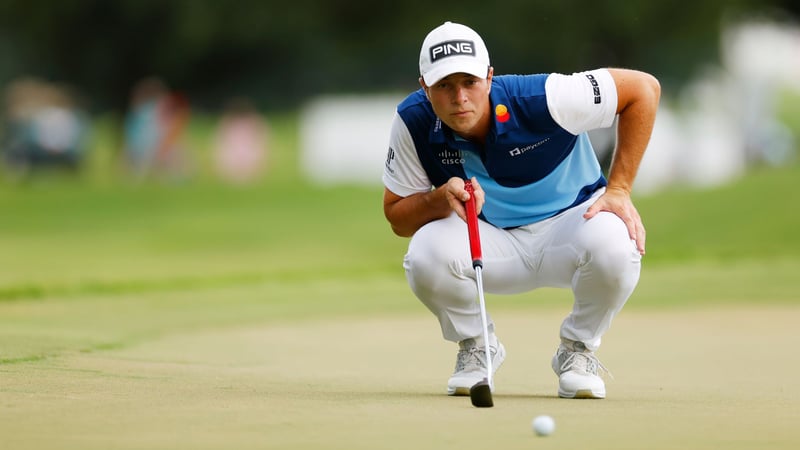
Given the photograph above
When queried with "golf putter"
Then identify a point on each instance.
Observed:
(481, 393)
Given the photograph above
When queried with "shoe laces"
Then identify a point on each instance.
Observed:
(472, 359)
(584, 362)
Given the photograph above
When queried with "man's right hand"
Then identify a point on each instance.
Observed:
(457, 195)
(407, 214)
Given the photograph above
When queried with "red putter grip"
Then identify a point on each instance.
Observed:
(472, 226)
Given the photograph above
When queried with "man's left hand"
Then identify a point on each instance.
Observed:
(619, 202)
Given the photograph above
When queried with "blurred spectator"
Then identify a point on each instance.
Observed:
(241, 144)
(154, 128)
(43, 126)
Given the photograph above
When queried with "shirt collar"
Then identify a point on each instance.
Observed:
(439, 132)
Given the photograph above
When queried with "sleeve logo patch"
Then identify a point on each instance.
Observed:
(389, 159)
(595, 88)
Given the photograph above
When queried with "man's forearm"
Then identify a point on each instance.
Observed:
(409, 214)
(634, 128)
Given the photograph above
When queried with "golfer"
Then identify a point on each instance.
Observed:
(549, 216)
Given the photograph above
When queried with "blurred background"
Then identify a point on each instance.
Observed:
(240, 91)
(174, 171)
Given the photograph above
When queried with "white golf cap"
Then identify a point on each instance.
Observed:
(452, 48)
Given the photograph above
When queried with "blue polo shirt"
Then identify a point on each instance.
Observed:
(530, 167)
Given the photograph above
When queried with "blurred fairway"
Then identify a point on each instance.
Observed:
(119, 270)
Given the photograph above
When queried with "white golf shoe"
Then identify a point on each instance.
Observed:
(578, 373)
(471, 364)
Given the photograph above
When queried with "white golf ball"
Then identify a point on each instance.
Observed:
(543, 425)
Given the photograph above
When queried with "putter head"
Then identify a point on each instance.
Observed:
(481, 394)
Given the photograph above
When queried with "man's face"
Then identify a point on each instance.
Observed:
(461, 101)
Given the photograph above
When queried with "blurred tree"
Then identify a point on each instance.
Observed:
(280, 53)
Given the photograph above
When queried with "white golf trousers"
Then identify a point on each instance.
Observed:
(595, 258)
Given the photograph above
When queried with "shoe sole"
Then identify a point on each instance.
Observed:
(582, 393)
(458, 391)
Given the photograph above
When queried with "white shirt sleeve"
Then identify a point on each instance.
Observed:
(403, 173)
(582, 101)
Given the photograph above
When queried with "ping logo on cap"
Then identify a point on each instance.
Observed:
(452, 48)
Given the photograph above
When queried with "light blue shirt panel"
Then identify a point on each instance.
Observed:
(516, 206)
